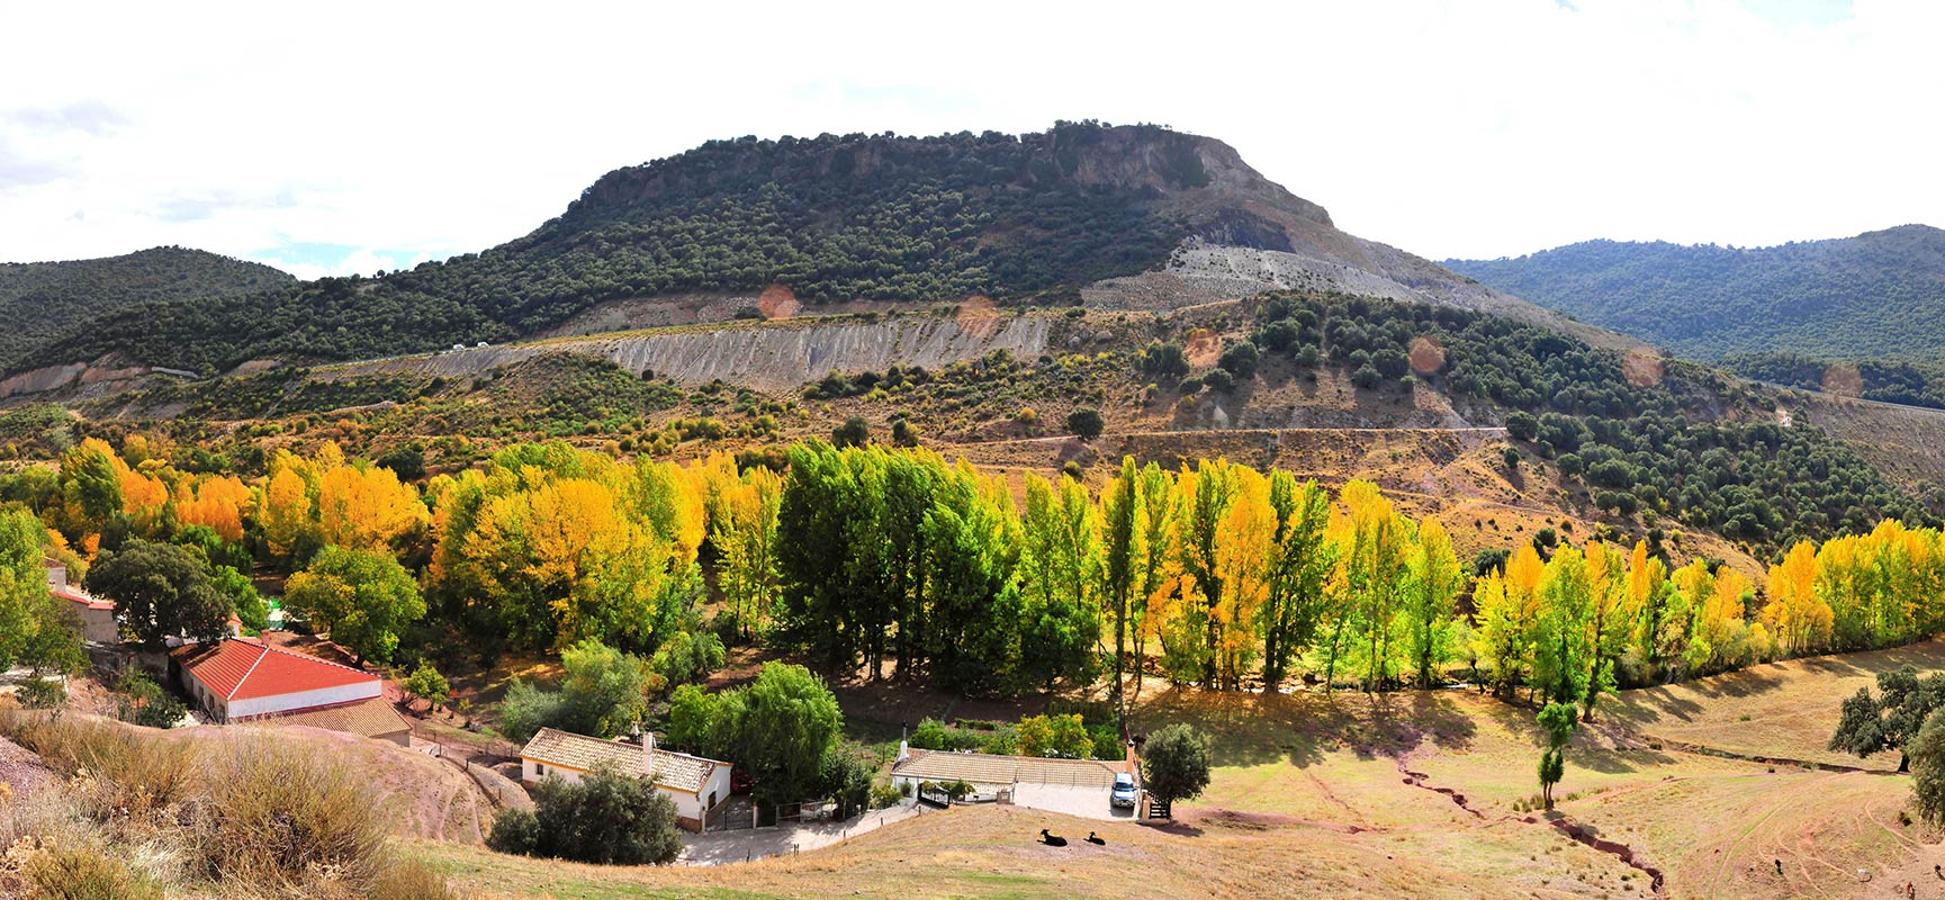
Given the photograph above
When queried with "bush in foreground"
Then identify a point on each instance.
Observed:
(606, 817)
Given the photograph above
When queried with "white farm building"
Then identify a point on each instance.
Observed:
(238, 680)
(696, 784)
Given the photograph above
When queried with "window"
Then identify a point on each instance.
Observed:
(540, 769)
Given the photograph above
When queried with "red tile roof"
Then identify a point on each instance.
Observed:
(237, 669)
(84, 598)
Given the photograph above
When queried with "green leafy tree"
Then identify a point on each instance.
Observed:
(1061, 583)
(160, 591)
(790, 721)
(606, 690)
(363, 598)
(1927, 752)
(527, 708)
(1063, 736)
(428, 684)
(251, 609)
(687, 657)
(1175, 764)
(35, 627)
(846, 780)
(1561, 652)
(1558, 720)
(972, 542)
(1121, 536)
(92, 485)
(1429, 601)
(1872, 724)
(1298, 598)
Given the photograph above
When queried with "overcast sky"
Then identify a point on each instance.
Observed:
(354, 137)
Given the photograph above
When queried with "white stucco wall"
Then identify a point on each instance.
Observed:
(687, 806)
(280, 703)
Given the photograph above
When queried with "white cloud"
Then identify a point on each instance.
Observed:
(1447, 128)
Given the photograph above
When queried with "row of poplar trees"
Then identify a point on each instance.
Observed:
(899, 562)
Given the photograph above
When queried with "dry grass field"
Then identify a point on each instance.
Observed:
(1410, 794)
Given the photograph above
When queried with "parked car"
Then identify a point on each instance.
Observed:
(740, 781)
(1123, 795)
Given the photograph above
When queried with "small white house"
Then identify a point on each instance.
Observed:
(696, 784)
(95, 615)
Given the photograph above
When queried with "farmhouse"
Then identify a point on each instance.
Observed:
(238, 680)
(1075, 786)
(694, 783)
(95, 615)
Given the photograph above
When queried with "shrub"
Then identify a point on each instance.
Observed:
(144, 702)
(406, 879)
(275, 819)
(515, 831)
(846, 780)
(126, 775)
(78, 873)
(606, 817)
(1240, 360)
(884, 794)
(528, 709)
(855, 432)
(41, 693)
(1220, 381)
(1085, 422)
(1164, 360)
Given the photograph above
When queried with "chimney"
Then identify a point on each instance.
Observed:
(904, 752)
(648, 755)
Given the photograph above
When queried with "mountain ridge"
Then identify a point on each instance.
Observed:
(1876, 295)
(36, 297)
(1024, 219)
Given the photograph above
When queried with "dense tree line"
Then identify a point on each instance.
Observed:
(1643, 435)
(1879, 294)
(1891, 382)
(831, 217)
(899, 564)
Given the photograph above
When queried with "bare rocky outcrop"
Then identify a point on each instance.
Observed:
(771, 356)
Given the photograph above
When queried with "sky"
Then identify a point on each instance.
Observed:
(350, 137)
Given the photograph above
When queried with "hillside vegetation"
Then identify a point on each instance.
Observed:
(830, 217)
(1887, 382)
(44, 299)
(1877, 295)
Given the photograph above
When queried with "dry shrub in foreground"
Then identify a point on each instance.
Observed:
(114, 771)
(81, 873)
(282, 820)
(250, 815)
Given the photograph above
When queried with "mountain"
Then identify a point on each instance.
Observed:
(1874, 296)
(1120, 216)
(43, 299)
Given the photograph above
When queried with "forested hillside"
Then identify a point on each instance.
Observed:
(1890, 382)
(44, 299)
(1874, 296)
(857, 216)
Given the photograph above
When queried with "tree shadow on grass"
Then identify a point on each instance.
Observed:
(1301, 728)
